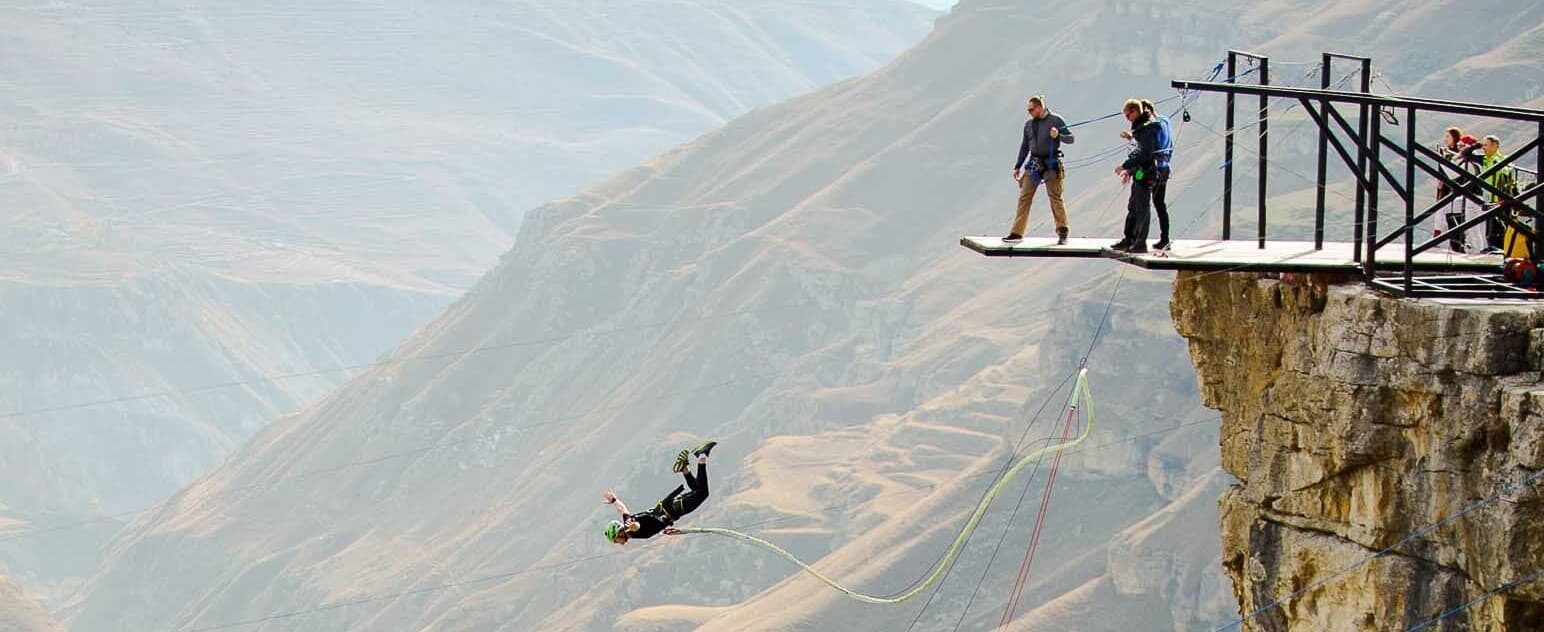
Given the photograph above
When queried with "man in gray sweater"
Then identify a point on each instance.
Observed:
(1039, 162)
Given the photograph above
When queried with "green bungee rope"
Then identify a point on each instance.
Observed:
(1080, 394)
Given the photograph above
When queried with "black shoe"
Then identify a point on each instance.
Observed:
(1163, 244)
(1138, 249)
(1121, 245)
(704, 449)
(1014, 237)
(681, 462)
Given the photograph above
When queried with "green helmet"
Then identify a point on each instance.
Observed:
(612, 529)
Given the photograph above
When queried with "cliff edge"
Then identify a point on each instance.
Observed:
(1354, 422)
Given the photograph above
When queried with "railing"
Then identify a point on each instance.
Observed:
(1360, 149)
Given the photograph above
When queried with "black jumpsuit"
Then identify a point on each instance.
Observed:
(683, 500)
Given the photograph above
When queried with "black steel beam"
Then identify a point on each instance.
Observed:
(1382, 169)
(1337, 96)
(1409, 228)
(1265, 111)
(1479, 180)
(1457, 189)
(1227, 154)
(1345, 156)
(1327, 57)
(1500, 209)
(1374, 160)
(1318, 206)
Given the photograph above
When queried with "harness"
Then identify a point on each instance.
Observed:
(672, 501)
(1038, 166)
(1165, 143)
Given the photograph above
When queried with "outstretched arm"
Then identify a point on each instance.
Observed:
(611, 499)
(1063, 133)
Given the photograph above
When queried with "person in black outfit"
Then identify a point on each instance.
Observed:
(1140, 170)
(662, 518)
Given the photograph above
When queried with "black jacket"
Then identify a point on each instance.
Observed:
(1145, 131)
(1038, 142)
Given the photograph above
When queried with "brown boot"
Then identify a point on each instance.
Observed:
(1061, 236)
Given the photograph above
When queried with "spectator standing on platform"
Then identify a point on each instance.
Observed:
(1140, 171)
(1161, 180)
(1452, 148)
(1504, 180)
(1040, 161)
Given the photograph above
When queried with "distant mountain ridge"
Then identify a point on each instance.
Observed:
(790, 285)
(213, 193)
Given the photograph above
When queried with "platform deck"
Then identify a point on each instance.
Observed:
(1277, 256)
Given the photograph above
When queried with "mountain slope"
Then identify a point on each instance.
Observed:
(19, 613)
(199, 196)
(789, 284)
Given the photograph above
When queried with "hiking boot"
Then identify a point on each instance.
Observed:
(1013, 237)
(1162, 244)
(1061, 236)
(681, 461)
(704, 449)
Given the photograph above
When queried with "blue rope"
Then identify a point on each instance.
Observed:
(1414, 535)
(1215, 72)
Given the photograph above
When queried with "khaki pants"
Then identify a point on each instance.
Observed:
(1053, 189)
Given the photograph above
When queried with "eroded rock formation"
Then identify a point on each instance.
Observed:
(1353, 422)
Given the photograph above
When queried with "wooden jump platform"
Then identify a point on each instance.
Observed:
(1241, 255)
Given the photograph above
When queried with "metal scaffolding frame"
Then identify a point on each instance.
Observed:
(1361, 147)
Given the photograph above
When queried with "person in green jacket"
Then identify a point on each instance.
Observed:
(1504, 180)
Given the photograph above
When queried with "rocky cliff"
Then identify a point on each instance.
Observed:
(1353, 421)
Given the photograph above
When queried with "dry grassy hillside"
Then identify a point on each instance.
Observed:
(199, 197)
(791, 286)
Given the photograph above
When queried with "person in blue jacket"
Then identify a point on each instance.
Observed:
(1161, 180)
(1140, 170)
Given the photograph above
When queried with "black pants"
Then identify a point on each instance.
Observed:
(1160, 204)
(1456, 241)
(1138, 214)
(1495, 231)
(687, 498)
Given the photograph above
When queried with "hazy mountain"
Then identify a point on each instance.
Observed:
(790, 285)
(20, 613)
(205, 194)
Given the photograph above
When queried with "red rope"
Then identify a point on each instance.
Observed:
(1034, 539)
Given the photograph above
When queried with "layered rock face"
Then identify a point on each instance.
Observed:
(1355, 422)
